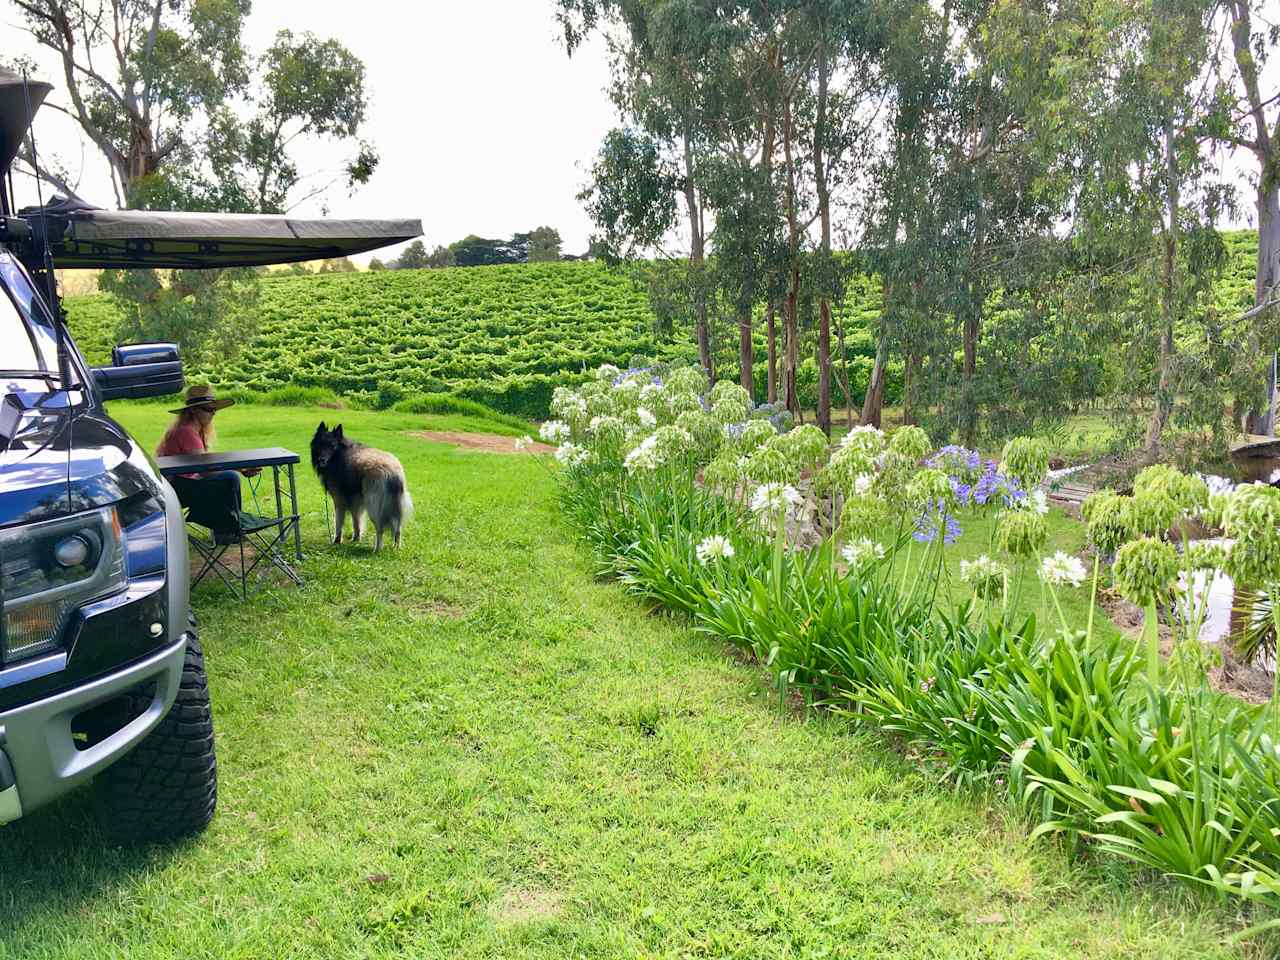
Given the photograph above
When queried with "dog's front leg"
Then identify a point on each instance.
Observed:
(339, 518)
(356, 518)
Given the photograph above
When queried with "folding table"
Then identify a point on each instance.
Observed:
(265, 533)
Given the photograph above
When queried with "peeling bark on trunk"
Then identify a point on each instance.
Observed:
(873, 402)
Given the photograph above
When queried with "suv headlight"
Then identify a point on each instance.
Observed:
(48, 570)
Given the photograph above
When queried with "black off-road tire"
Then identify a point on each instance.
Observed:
(166, 787)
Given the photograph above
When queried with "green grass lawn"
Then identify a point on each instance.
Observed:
(471, 749)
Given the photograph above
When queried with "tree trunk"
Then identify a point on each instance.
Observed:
(824, 213)
(1168, 306)
(746, 353)
(843, 378)
(873, 402)
(910, 379)
(973, 313)
(1267, 151)
(696, 259)
(790, 318)
(773, 354)
(1265, 285)
(791, 367)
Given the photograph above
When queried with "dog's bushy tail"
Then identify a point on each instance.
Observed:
(388, 502)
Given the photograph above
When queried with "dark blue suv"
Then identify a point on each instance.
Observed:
(100, 668)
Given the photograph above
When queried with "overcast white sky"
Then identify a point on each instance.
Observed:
(483, 123)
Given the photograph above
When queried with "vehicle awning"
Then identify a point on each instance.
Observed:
(19, 100)
(84, 237)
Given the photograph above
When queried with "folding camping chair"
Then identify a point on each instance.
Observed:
(257, 537)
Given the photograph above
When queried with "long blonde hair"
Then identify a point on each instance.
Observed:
(189, 417)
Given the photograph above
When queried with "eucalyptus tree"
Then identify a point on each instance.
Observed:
(661, 51)
(185, 115)
(901, 227)
(1252, 123)
(1114, 98)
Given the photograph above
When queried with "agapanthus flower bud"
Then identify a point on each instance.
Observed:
(911, 442)
(1026, 459)
(1021, 533)
(1145, 570)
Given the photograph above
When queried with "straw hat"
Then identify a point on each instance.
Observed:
(202, 398)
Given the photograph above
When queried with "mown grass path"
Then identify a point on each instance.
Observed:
(471, 749)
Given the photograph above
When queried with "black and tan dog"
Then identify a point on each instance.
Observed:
(360, 478)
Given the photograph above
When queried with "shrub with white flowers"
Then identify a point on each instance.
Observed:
(864, 438)
(643, 458)
(1251, 519)
(704, 430)
(750, 435)
(768, 464)
(1145, 570)
(1107, 520)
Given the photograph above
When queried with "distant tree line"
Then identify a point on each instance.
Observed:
(542, 245)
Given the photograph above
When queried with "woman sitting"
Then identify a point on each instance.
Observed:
(212, 499)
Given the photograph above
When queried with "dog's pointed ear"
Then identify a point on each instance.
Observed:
(321, 429)
(337, 432)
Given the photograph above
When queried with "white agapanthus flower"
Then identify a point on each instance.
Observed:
(714, 548)
(646, 418)
(862, 483)
(649, 391)
(643, 457)
(1036, 500)
(858, 552)
(1216, 484)
(607, 371)
(571, 455)
(595, 422)
(772, 499)
(1063, 568)
(862, 434)
(983, 568)
(554, 431)
(524, 443)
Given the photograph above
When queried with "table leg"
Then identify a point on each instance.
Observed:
(297, 517)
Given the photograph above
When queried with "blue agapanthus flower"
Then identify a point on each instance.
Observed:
(936, 522)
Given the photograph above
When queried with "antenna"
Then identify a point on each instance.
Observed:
(55, 307)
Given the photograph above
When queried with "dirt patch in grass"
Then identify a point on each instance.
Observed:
(527, 905)
(484, 442)
(437, 608)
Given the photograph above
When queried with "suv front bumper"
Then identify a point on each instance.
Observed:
(36, 740)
